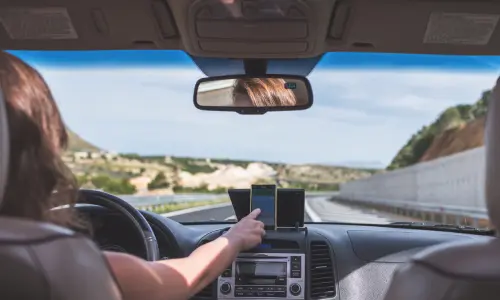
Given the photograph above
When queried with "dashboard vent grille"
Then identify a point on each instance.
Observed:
(322, 277)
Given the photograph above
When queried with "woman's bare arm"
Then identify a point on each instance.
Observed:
(175, 278)
(180, 279)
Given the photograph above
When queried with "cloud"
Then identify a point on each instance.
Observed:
(363, 116)
(401, 92)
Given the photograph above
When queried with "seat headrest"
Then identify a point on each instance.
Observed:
(492, 147)
(4, 146)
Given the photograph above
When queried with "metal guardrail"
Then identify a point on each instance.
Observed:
(478, 216)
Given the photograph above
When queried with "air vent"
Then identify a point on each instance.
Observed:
(322, 285)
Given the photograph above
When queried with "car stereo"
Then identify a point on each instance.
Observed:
(263, 275)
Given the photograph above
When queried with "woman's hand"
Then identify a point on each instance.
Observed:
(247, 233)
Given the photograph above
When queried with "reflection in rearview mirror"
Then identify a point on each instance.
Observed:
(269, 93)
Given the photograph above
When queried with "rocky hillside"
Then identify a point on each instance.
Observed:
(457, 129)
(76, 143)
(128, 173)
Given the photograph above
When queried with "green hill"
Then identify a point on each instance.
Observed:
(76, 143)
(456, 129)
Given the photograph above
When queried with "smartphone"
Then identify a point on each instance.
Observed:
(264, 197)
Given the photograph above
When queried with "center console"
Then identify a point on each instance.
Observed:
(264, 275)
(276, 268)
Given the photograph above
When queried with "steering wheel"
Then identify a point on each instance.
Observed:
(114, 203)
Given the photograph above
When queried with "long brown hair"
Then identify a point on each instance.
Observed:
(265, 91)
(38, 178)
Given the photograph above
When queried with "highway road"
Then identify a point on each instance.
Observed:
(318, 209)
(212, 214)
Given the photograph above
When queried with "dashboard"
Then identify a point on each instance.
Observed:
(321, 261)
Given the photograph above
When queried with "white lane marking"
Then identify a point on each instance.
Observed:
(194, 209)
(233, 217)
(310, 212)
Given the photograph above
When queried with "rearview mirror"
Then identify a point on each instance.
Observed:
(253, 95)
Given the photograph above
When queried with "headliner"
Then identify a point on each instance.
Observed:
(390, 26)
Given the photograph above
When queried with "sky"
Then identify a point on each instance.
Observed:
(366, 106)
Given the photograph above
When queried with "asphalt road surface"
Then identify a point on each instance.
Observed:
(320, 208)
(329, 211)
(212, 214)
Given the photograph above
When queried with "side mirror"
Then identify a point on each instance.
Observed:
(253, 95)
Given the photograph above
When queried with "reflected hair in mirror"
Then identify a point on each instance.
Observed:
(261, 92)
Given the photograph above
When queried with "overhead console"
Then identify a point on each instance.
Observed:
(257, 28)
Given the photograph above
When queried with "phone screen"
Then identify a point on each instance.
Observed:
(264, 197)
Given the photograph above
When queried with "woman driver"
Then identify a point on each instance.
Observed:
(36, 170)
(259, 92)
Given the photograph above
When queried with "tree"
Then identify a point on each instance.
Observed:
(159, 182)
(81, 179)
(481, 107)
(448, 119)
(113, 185)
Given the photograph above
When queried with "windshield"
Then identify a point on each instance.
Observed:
(379, 145)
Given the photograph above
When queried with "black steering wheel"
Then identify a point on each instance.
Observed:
(133, 215)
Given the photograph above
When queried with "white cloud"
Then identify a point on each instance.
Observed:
(357, 115)
(421, 92)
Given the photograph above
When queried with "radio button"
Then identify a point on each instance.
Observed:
(225, 288)
(295, 289)
(295, 266)
(295, 274)
(249, 294)
(280, 294)
(295, 259)
(227, 273)
(261, 294)
(280, 288)
(270, 294)
(238, 294)
(239, 288)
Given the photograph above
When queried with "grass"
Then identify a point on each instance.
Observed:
(175, 206)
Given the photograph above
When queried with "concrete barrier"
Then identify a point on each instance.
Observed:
(449, 186)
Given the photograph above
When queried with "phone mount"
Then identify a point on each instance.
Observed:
(290, 206)
(296, 228)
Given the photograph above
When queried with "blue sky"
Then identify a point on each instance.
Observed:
(366, 105)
